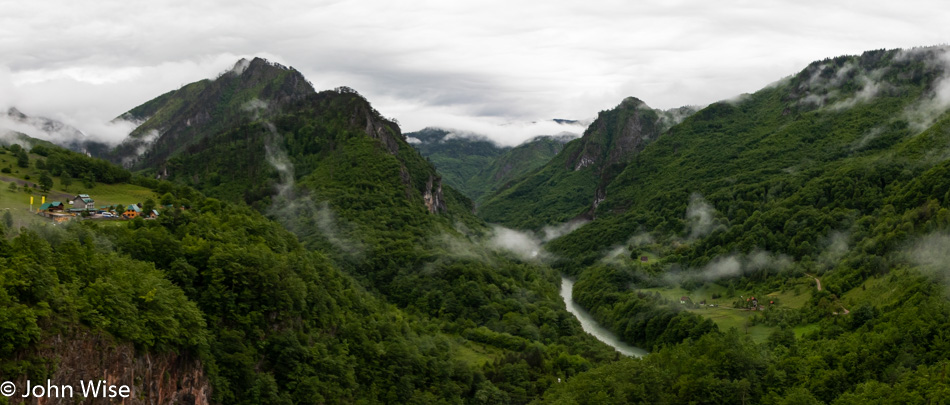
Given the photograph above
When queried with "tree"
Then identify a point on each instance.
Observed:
(119, 209)
(66, 180)
(8, 219)
(46, 182)
(89, 180)
(168, 199)
(13, 187)
(148, 206)
(22, 160)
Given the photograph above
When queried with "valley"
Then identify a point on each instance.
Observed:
(787, 246)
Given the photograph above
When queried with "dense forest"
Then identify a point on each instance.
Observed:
(787, 246)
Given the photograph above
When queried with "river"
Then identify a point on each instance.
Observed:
(591, 326)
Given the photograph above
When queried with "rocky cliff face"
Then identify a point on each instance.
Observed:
(432, 196)
(154, 378)
(617, 135)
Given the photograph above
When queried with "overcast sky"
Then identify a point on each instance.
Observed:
(486, 66)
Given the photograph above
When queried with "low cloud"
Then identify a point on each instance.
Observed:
(931, 255)
(66, 130)
(522, 244)
(297, 211)
(700, 217)
(822, 87)
(552, 232)
(935, 103)
(731, 266)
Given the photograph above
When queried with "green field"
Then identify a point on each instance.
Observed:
(720, 310)
(18, 202)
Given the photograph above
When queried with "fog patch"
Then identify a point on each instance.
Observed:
(836, 246)
(296, 210)
(931, 255)
(700, 217)
(255, 106)
(239, 67)
(619, 255)
(823, 88)
(413, 141)
(866, 138)
(731, 266)
(67, 130)
(869, 90)
(935, 103)
(552, 232)
(522, 244)
(503, 133)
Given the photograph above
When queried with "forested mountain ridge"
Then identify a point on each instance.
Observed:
(344, 180)
(825, 192)
(170, 122)
(476, 166)
(573, 183)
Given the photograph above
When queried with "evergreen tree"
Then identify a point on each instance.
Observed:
(66, 180)
(46, 182)
(89, 180)
(22, 160)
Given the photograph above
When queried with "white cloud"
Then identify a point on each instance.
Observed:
(452, 64)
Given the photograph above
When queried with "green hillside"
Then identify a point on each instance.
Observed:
(459, 159)
(788, 246)
(175, 120)
(837, 173)
(345, 181)
(573, 183)
(477, 167)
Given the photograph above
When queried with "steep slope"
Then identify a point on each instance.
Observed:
(459, 158)
(574, 182)
(173, 121)
(517, 162)
(477, 167)
(832, 181)
(344, 179)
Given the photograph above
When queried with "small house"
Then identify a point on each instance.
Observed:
(84, 202)
(52, 206)
(684, 299)
(132, 211)
(644, 259)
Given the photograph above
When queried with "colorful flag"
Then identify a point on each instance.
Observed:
(31, 200)
(43, 200)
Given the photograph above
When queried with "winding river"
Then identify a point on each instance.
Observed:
(591, 326)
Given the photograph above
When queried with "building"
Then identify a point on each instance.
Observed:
(52, 206)
(132, 211)
(84, 201)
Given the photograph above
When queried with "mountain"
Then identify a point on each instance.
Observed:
(175, 120)
(477, 166)
(517, 162)
(459, 158)
(350, 187)
(53, 131)
(573, 183)
(826, 194)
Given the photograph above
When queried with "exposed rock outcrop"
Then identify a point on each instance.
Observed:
(432, 196)
(82, 355)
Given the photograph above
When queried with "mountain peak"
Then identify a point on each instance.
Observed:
(174, 120)
(633, 102)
